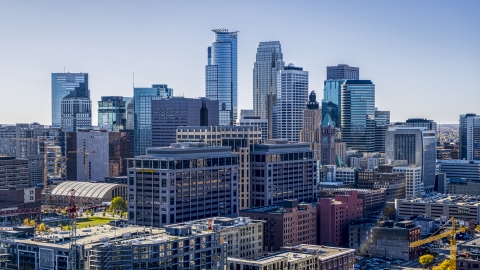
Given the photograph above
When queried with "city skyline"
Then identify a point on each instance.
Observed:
(412, 54)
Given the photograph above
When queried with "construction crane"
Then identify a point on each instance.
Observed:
(85, 153)
(453, 242)
(72, 214)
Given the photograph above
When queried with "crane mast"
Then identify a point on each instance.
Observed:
(72, 213)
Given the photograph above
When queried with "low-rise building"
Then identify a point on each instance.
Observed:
(384, 177)
(243, 236)
(103, 248)
(388, 239)
(292, 223)
(439, 205)
(299, 257)
(334, 215)
(463, 186)
(373, 199)
(14, 172)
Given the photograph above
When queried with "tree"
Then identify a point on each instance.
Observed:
(41, 227)
(32, 223)
(118, 205)
(445, 265)
(87, 212)
(26, 222)
(425, 259)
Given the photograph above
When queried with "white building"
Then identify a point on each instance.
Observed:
(413, 180)
(346, 175)
(255, 121)
(292, 95)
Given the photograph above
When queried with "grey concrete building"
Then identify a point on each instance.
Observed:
(394, 183)
(14, 173)
(256, 121)
(169, 114)
(343, 72)
(282, 171)
(76, 111)
(388, 239)
(183, 182)
(239, 138)
(416, 146)
(468, 169)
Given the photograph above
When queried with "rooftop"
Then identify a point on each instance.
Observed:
(439, 198)
(84, 189)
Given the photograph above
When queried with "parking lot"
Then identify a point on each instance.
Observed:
(376, 263)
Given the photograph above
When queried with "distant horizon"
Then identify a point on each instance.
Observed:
(421, 56)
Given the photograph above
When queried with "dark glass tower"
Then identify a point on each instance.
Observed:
(358, 114)
(221, 75)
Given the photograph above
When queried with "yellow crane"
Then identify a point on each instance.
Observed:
(453, 242)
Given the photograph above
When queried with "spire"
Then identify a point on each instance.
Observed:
(327, 121)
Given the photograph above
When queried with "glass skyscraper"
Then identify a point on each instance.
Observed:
(112, 113)
(358, 114)
(469, 132)
(62, 85)
(331, 100)
(221, 75)
(269, 60)
(143, 114)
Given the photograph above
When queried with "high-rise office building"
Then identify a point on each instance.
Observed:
(382, 120)
(221, 75)
(194, 182)
(62, 85)
(269, 60)
(112, 113)
(169, 114)
(416, 146)
(332, 100)
(421, 122)
(282, 171)
(142, 99)
(292, 94)
(469, 132)
(312, 118)
(76, 111)
(130, 115)
(358, 115)
(343, 72)
(328, 133)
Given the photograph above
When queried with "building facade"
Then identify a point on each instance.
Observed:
(168, 114)
(467, 169)
(112, 113)
(289, 224)
(334, 215)
(269, 60)
(62, 85)
(312, 118)
(256, 121)
(142, 100)
(183, 182)
(358, 114)
(382, 120)
(292, 95)
(221, 75)
(416, 146)
(14, 173)
(328, 133)
(469, 133)
(76, 112)
(384, 177)
(281, 171)
(343, 72)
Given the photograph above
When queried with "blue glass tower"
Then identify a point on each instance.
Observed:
(62, 85)
(143, 114)
(221, 75)
(358, 114)
(331, 102)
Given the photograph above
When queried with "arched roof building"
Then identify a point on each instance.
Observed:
(86, 193)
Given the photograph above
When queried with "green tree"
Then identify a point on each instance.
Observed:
(445, 265)
(425, 259)
(118, 205)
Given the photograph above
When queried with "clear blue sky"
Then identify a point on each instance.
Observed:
(422, 55)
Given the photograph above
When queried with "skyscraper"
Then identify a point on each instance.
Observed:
(221, 75)
(382, 120)
(312, 116)
(331, 101)
(269, 60)
(469, 133)
(112, 113)
(76, 113)
(62, 85)
(343, 72)
(416, 146)
(143, 114)
(292, 94)
(328, 134)
(358, 114)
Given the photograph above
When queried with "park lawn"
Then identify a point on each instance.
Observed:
(90, 222)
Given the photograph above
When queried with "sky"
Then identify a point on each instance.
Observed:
(422, 55)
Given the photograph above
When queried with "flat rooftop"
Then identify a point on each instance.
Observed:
(439, 198)
(93, 236)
